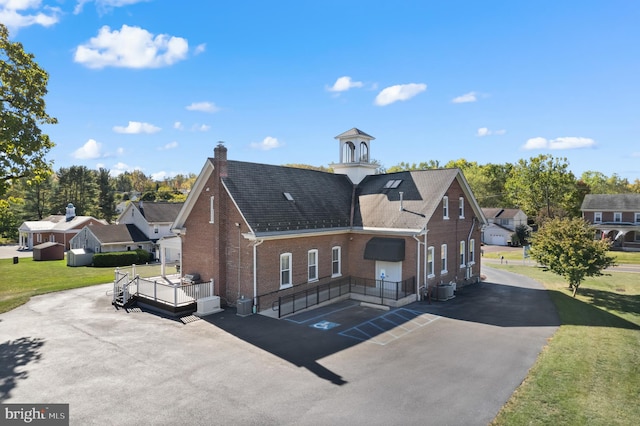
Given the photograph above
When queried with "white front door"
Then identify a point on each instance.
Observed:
(388, 273)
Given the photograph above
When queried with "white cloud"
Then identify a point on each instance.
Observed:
(121, 167)
(178, 125)
(203, 107)
(399, 92)
(170, 145)
(484, 131)
(267, 144)
(105, 5)
(201, 128)
(15, 14)
(570, 142)
(467, 97)
(131, 47)
(343, 84)
(136, 127)
(635, 154)
(200, 49)
(89, 151)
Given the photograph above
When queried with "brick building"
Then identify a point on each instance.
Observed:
(260, 231)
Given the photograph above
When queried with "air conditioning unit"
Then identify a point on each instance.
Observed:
(244, 307)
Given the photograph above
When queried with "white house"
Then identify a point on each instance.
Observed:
(502, 225)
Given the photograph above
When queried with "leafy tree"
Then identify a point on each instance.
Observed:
(106, 195)
(9, 222)
(23, 85)
(521, 236)
(404, 167)
(635, 186)
(77, 185)
(599, 183)
(542, 185)
(567, 247)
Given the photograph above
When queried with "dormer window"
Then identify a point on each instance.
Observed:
(288, 196)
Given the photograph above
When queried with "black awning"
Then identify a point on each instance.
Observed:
(387, 249)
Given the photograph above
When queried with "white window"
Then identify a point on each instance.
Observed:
(155, 229)
(637, 218)
(430, 267)
(617, 217)
(443, 258)
(462, 253)
(336, 262)
(472, 251)
(461, 208)
(445, 207)
(211, 210)
(39, 238)
(597, 217)
(285, 270)
(312, 257)
(364, 152)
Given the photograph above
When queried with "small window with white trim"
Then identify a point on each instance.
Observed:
(462, 253)
(461, 208)
(211, 209)
(336, 262)
(430, 267)
(617, 216)
(312, 263)
(472, 251)
(443, 259)
(285, 271)
(597, 217)
(445, 207)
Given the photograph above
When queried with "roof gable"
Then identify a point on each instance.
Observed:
(160, 212)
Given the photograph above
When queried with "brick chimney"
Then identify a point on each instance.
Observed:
(220, 159)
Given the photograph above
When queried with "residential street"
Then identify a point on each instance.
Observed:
(454, 362)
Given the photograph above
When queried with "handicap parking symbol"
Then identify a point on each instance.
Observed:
(324, 325)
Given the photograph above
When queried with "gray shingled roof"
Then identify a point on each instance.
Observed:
(492, 212)
(354, 132)
(611, 202)
(160, 212)
(121, 233)
(422, 194)
(320, 200)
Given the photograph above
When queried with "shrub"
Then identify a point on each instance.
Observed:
(121, 258)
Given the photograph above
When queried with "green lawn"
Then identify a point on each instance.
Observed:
(29, 278)
(622, 257)
(590, 371)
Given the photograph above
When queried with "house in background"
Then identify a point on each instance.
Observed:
(502, 223)
(614, 216)
(263, 232)
(55, 228)
(140, 226)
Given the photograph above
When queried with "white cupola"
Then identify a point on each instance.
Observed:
(355, 155)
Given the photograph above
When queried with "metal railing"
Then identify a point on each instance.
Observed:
(286, 302)
(175, 295)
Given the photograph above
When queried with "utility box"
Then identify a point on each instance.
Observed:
(244, 307)
(208, 306)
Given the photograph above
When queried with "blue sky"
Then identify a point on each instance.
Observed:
(154, 85)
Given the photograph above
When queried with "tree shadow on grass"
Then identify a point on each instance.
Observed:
(600, 312)
(14, 356)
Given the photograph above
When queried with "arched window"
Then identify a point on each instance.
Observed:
(349, 154)
(364, 152)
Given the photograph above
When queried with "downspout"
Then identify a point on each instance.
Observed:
(255, 274)
(417, 266)
(473, 225)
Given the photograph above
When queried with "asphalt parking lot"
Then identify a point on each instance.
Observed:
(454, 362)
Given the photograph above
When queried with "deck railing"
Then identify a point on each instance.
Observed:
(169, 294)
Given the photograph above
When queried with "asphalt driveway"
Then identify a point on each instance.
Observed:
(454, 362)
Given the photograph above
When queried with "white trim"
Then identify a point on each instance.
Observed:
(290, 270)
(315, 265)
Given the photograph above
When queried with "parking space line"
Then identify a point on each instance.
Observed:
(403, 321)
